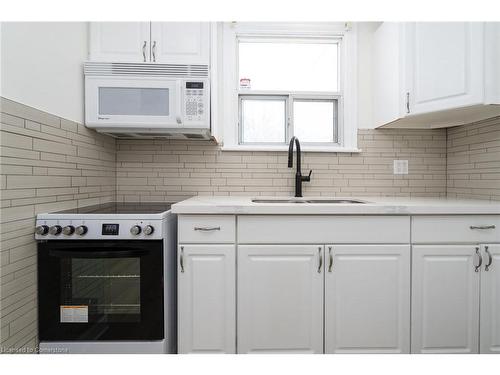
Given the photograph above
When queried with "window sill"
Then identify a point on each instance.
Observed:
(284, 148)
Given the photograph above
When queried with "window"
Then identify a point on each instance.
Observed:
(287, 87)
(288, 80)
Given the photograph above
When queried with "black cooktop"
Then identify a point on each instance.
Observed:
(121, 208)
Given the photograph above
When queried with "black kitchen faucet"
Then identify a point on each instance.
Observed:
(298, 175)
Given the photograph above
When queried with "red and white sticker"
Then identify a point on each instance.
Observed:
(74, 314)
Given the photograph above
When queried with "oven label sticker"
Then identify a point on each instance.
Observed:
(74, 314)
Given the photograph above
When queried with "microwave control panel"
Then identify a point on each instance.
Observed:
(196, 101)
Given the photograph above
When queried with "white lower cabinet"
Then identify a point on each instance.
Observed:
(264, 285)
(367, 299)
(490, 300)
(206, 299)
(445, 299)
(280, 298)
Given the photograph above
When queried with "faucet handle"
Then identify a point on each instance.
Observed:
(307, 178)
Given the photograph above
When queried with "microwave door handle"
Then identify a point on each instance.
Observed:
(178, 98)
(104, 253)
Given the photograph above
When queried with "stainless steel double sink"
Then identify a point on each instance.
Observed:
(313, 200)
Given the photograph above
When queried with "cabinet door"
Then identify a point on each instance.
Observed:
(119, 41)
(445, 299)
(444, 62)
(367, 299)
(180, 42)
(206, 299)
(490, 299)
(280, 298)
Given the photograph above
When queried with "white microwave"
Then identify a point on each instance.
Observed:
(141, 100)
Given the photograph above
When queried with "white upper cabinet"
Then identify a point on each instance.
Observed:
(180, 42)
(435, 74)
(444, 65)
(120, 41)
(153, 42)
(280, 298)
(367, 299)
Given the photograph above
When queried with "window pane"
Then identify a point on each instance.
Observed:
(314, 121)
(263, 120)
(288, 66)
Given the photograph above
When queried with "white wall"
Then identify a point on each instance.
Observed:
(41, 65)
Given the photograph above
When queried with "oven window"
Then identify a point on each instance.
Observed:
(109, 289)
(134, 101)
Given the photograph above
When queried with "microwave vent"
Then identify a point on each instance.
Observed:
(144, 69)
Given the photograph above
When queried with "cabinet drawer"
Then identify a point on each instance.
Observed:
(207, 229)
(456, 229)
(323, 229)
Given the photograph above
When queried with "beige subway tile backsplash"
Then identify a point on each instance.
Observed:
(473, 160)
(38, 175)
(202, 168)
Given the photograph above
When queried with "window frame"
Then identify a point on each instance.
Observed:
(230, 92)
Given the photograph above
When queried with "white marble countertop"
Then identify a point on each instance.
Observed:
(240, 205)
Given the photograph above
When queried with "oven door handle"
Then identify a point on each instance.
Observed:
(104, 253)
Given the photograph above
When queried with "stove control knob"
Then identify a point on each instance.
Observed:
(135, 230)
(68, 230)
(81, 230)
(55, 230)
(148, 230)
(42, 230)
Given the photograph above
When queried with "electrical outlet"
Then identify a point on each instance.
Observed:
(400, 166)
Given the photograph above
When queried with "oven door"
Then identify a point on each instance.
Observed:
(100, 290)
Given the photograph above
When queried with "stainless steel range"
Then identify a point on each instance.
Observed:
(107, 279)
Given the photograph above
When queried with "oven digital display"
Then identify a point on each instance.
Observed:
(110, 229)
(194, 85)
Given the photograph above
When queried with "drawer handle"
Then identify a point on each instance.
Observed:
(206, 229)
(480, 260)
(490, 259)
(492, 226)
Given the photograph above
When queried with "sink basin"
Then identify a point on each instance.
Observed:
(321, 201)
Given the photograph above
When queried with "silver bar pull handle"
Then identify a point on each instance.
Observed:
(320, 265)
(407, 102)
(476, 269)
(144, 50)
(492, 226)
(206, 229)
(181, 259)
(154, 51)
(330, 264)
(490, 259)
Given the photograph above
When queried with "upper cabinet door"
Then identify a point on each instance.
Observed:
(280, 299)
(120, 41)
(180, 42)
(444, 65)
(367, 299)
(490, 299)
(445, 299)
